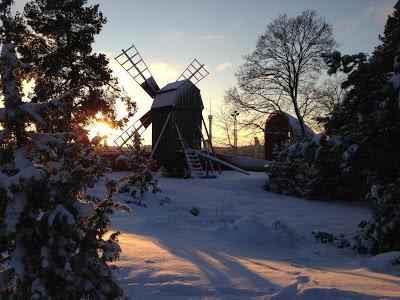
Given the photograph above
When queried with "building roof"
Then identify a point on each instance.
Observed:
(294, 125)
(169, 94)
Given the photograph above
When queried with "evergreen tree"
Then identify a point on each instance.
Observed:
(390, 42)
(59, 42)
(52, 239)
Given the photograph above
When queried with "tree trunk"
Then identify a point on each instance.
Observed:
(299, 117)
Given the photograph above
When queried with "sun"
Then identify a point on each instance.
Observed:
(100, 128)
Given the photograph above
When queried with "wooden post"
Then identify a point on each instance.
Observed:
(212, 148)
(159, 137)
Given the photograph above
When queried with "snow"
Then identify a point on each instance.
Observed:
(61, 211)
(26, 172)
(350, 151)
(246, 163)
(33, 110)
(172, 86)
(295, 125)
(44, 142)
(169, 95)
(9, 63)
(395, 82)
(62, 177)
(396, 64)
(20, 159)
(165, 99)
(335, 140)
(44, 255)
(17, 260)
(318, 138)
(3, 135)
(38, 290)
(13, 211)
(245, 243)
(2, 114)
(345, 98)
(7, 52)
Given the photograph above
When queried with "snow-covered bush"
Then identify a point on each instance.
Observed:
(53, 241)
(310, 169)
(382, 233)
(142, 177)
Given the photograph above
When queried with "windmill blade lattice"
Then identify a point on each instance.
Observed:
(134, 64)
(195, 72)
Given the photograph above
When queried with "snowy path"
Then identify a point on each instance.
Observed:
(245, 244)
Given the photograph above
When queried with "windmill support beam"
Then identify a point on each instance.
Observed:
(211, 145)
(222, 162)
(159, 137)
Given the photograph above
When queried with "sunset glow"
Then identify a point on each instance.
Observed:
(101, 128)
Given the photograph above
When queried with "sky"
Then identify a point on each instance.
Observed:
(170, 34)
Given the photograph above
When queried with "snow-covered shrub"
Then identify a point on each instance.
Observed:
(382, 234)
(310, 169)
(53, 240)
(142, 177)
(339, 241)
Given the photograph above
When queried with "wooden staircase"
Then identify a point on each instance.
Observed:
(195, 161)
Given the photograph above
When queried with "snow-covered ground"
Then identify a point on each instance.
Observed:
(245, 243)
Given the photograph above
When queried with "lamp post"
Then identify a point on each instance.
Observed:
(234, 115)
(210, 120)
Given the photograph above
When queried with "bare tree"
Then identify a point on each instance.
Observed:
(253, 108)
(287, 58)
(331, 95)
(224, 122)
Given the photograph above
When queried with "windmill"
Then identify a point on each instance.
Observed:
(176, 117)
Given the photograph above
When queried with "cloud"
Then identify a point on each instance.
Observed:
(213, 37)
(379, 12)
(224, 66)
(354, 28)
(163, 72)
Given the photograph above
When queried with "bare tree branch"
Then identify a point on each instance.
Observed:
(280, 74)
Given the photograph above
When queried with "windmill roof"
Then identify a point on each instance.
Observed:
(172, 86)
(167, 96)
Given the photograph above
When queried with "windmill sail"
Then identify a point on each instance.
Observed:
(195, 72)
(146, 119)
(127, 138)
(134, 64)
